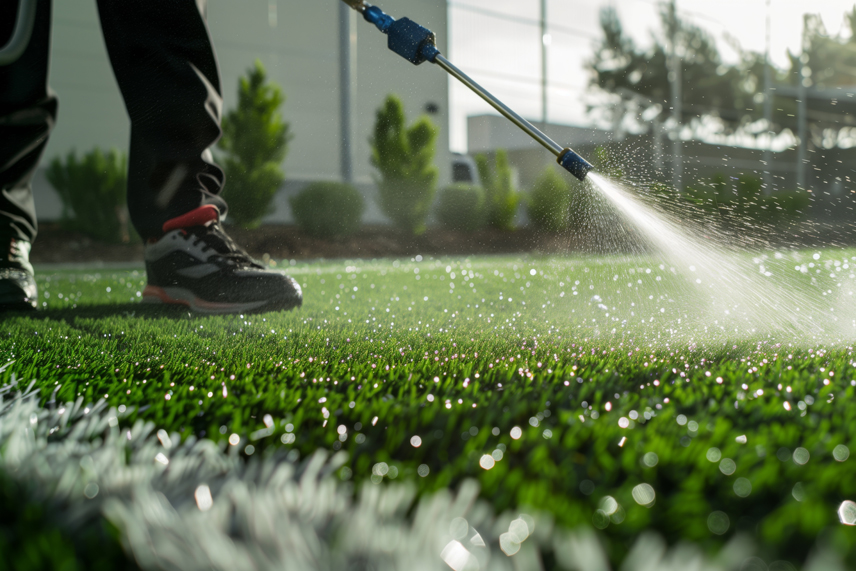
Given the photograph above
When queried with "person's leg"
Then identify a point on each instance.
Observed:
(27, 114)
(167, 71)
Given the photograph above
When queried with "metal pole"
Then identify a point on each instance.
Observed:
(530, 129)
(768, 112)
(658, 147)
(676, 79)
(802, 112)
(545, 40)
(347, 76)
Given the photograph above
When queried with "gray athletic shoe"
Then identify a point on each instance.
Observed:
(17, 286)
(196, 264)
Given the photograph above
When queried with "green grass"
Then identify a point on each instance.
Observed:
(610, 376)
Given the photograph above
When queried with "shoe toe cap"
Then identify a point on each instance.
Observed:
(17, 290)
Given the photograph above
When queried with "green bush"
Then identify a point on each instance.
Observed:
(462, 207)
(255, 139)
(501, 198)
(790, 204)
(745, 203)
(328, 209)
(549, 202)
(93, 191)
(404, 157)
(606, 164)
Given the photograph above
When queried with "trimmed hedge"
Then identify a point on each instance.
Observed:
(328, 209)
(550, 201)
(462, 207)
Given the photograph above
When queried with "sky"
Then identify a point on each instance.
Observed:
(502, 52)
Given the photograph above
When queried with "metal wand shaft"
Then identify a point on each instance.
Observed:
(528, 127)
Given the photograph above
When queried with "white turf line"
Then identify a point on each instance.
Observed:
(190, 505)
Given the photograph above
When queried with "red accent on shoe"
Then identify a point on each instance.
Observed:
(197, 217)
(152, 292)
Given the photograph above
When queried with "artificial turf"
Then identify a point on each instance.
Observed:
(597, 390)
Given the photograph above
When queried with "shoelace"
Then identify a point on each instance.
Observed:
(216, 239)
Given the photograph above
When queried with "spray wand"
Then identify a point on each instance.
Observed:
(417, 45)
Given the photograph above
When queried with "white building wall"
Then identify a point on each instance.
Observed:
(297, 41)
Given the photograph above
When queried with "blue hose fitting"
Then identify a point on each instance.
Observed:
(575, 164)
(375, 15)
(408, 39)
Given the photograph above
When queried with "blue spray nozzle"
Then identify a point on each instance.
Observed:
(417, 44)
(575, 164)
(408, 39)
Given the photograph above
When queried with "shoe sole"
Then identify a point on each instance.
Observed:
(17, 307)
(180, 296)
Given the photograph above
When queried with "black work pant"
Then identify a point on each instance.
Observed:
(167, 72)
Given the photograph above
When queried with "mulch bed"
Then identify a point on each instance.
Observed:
(55, 245)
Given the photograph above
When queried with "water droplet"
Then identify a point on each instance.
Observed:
(801, 456)
(727, 466)
(713, 454)
(203, 498)
(742, 487)
(718, 522)
(644, 495)
(847, 512)
(459, 528)
(608, 505)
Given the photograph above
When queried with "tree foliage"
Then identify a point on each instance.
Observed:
(404, 158)
(255, 139)
(831, 59)
(638, 78)
(502, 199)
(830, 73)
(719, 97)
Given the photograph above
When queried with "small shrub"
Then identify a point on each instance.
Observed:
(790, 204)
(93, 191)
(745, 203)
(404, 157)
(501, 198)
(255, 139)
(549, 202)
(462, 207)
(328, 209)
(606, 164)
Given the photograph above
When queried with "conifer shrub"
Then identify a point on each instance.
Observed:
(255, 142)
(549, 202)
(501, 198)
(404, 159)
